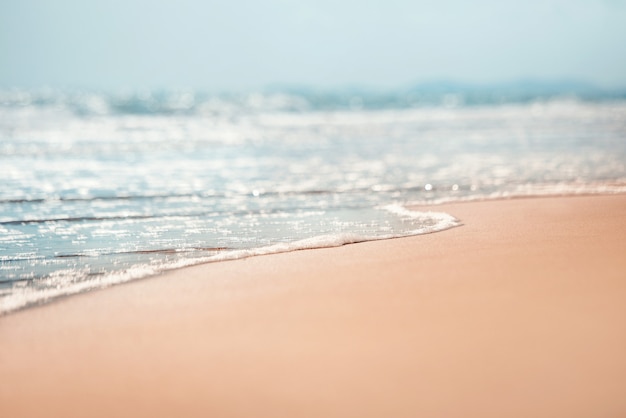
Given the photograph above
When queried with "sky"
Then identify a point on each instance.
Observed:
(245, 44)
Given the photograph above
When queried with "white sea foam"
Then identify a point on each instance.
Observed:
(72, 281)
(428, 221)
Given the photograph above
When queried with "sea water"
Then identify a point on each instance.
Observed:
(101, 188)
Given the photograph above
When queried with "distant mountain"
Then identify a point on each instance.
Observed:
(517, 91)
(525, 85)
(449, 92)
(433, 92)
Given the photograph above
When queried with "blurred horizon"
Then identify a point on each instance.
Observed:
(245, 45)
(300, 98)
(435, 85)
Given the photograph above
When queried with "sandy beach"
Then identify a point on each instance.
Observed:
(520, 312)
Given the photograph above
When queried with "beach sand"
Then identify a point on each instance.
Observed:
(520, 312)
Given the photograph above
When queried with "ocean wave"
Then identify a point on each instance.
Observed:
(300, 99)
(98, 194)
(72, 281)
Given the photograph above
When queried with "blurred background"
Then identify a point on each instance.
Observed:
(138, 136)
(236, 45)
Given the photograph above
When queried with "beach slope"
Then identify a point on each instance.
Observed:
(520, 312)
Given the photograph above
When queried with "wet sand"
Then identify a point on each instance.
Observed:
(520, 312)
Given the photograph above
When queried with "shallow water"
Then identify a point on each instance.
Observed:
(99, 189)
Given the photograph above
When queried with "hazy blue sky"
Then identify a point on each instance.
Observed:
(248, 44)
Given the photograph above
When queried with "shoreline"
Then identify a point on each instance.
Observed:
(265, 251)
(518, 312)
(31, 298)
